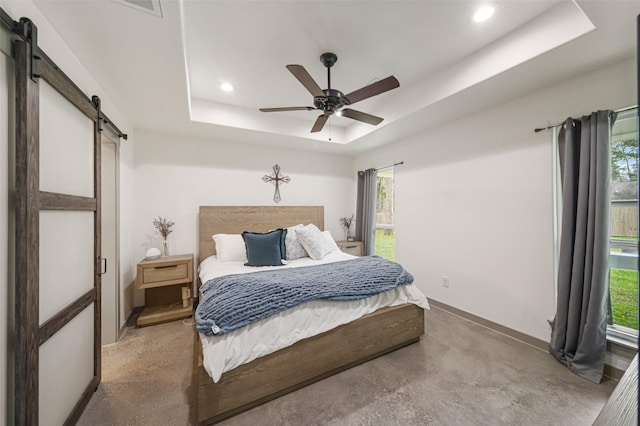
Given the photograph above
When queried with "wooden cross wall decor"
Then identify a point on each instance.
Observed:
(275, 179)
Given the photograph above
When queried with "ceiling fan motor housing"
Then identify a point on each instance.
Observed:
(333, 101)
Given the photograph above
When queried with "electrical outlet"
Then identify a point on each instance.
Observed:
(445, 281)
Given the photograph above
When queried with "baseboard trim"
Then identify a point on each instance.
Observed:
(514, 334)
(612, 372)
(130, 322)
(609, 371)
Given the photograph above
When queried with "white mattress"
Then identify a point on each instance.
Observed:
(225, 352)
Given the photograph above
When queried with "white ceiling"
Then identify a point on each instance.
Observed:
(164, 72)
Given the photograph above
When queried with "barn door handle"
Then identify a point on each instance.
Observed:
(103, 264)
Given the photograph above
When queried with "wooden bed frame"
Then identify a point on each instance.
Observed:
(306, 361)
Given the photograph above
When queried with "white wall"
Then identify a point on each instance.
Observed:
(55, 47)
(176, 174)
(474, 200)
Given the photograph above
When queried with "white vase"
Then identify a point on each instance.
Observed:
(165, 248)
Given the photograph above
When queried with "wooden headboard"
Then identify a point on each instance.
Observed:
(236, 219)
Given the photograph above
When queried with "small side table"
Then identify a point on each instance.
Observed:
(355, 248)
(167, 283)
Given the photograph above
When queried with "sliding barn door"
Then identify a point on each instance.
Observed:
(57, 244)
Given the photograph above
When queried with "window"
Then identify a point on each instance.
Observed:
(385, 245)
(623, 270)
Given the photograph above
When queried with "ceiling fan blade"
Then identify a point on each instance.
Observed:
(361, 116)
(305, 78)
(319, 124)
(373, 89)
(302, 108)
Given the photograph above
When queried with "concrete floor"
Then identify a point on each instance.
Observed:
(460, 373)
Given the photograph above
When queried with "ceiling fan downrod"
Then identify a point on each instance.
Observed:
(328, 59)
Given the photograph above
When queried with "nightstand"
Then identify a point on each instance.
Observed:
(355, 248)
(167, 283)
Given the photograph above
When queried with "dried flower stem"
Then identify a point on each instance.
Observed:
(347, 221)
(163, 226)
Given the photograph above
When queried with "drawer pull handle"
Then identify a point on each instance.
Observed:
(165, 267)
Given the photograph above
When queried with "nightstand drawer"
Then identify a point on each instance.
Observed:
(165, 273)
(352, 247)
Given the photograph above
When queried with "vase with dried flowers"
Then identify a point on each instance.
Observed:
(346, 222)
(164, 227)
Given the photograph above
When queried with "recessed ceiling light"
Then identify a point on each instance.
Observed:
(483, 13)
(226, 87)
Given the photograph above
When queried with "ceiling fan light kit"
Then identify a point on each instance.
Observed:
(331, 101)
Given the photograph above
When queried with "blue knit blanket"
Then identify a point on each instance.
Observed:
(230, 302)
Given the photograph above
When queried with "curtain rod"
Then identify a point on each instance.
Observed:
(551, 126)
(390, 165)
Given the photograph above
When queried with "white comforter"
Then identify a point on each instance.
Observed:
(228, 351)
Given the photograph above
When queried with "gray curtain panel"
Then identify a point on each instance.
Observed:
(366, 210)
(579, 330)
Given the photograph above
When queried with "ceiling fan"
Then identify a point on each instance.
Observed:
(331, 101)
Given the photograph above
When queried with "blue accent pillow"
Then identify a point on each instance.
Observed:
(265, 249)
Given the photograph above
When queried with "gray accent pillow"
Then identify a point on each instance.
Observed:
(314, 242)
(294, 248)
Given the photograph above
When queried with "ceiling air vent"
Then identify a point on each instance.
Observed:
(149, 6)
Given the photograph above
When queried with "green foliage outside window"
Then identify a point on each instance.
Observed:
(624, 164)
(381, 193)
(623, 290)
(385, 244)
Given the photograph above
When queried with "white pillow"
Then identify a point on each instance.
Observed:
(314, 242)
(331, 242)
(230, 248)
(294, 248)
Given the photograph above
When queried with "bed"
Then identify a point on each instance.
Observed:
(313, 358)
